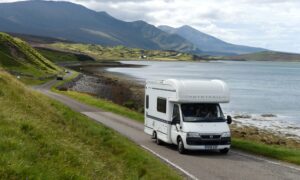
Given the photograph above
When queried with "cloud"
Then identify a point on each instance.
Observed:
(270, 24)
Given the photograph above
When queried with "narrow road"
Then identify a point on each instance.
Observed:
(196, 165)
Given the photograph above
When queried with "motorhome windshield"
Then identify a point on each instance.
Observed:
(202, 113)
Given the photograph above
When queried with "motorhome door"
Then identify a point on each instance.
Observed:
(175, 125)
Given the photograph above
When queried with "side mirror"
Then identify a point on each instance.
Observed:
(178, 126)
(229, 120)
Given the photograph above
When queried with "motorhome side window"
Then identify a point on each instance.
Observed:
(147, 101)
(161, 105)
(176, 115)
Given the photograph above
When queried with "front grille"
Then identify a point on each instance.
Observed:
(200, 141)
(210, 136)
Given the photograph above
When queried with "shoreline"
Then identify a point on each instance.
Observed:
(129, 92)
(115, 87)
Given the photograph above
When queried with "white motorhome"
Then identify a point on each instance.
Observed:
(187, 113)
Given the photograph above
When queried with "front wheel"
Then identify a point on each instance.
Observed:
(181, 148)
(224, 151)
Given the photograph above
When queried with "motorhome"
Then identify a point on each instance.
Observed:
(187, 113)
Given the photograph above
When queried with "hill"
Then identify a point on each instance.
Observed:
(20, 59)
(68, 21)
(209, 44)
(37, 40)
(42, 139)
(267, 56)
(62, 56)
(99, 52)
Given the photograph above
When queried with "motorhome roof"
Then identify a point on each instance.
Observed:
(210, 91)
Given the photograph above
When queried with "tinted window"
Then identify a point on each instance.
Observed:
(147, 101)
(161, 105)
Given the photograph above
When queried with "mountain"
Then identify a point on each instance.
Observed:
(68, 21)
(19, 58)
(208, 43)
(267, 56)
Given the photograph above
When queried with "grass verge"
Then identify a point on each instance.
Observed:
(272, 151)
(276, 152)
(43, 139)
(104, 104)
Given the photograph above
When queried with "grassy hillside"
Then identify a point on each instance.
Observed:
(42, 139)
(19, 58)
(267, 56)
(123, 53)
(58, 56)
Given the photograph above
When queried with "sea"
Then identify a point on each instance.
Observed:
(257, 87)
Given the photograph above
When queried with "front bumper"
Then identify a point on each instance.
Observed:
(199, 143)
(218, 147)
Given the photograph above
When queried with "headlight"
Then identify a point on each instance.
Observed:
(193, 134)
(226, 134)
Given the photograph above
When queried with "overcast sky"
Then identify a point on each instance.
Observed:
(272, 24)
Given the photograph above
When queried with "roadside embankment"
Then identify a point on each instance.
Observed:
(42, 138)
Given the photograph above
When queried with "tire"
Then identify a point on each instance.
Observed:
(180, 146)
(224, 151)
(153, 135)
(157, 141)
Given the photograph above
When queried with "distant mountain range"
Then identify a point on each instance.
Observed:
(73, 22)
(207, 43)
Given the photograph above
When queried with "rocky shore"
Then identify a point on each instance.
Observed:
(95, 80)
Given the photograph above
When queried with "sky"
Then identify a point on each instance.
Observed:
(271, 24)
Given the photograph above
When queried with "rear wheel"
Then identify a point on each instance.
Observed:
(180, 147)
(157, 141)
(224, 151)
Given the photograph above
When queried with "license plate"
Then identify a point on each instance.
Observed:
(210, 147)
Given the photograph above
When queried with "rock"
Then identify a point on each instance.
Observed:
(268, 115)
(243, 133)
(242, 116)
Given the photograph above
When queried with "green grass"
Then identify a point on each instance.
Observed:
(43, 139)
(123, 53)
(104, 104)
(276, 152)
(272, 151)
(21, 59)
(57, 56)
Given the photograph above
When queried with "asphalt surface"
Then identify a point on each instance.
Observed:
(195, 165)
